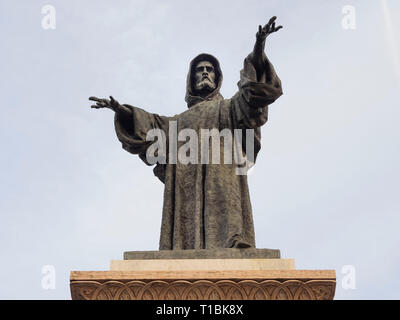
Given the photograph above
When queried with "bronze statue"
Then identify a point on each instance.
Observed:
(206, 205)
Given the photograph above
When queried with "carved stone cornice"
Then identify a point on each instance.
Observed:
(227, 285)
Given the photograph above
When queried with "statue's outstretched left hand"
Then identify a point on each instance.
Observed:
(106, 103)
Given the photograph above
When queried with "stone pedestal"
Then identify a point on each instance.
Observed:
(217, 277)
(227, 253)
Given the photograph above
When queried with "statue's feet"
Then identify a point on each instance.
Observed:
(240, 244)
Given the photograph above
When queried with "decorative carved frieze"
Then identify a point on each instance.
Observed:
(215, 289)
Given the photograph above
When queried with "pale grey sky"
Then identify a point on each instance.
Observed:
(325, 189)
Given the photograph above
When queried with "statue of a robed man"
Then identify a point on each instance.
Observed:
(206, 205)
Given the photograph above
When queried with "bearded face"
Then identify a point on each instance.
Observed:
(204, 78)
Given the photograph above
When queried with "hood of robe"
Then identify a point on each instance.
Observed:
(191, 98)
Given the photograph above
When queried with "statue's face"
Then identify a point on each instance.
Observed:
(204, 77)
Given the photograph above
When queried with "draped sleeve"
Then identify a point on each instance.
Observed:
(250, 103)
(132, 128)
(249, 106)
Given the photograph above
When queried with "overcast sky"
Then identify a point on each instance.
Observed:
(325, 189)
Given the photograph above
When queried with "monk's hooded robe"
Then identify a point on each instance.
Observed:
(206, 206)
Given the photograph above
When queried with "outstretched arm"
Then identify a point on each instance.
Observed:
(132, 126)
(111, 104)
(259, 85)
(258, 56)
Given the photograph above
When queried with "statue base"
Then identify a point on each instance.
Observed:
(203, 279)
(226, 253)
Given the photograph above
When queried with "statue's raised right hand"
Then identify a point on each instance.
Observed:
(264, 32)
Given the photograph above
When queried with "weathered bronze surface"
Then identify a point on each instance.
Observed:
(206, 206)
